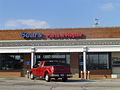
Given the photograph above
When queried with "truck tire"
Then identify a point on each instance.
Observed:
(64, 79)
(56, 79)
(32, 76)
(47, 77)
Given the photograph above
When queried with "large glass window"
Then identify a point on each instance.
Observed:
(92, 60)
(11, 62)
(96, 61)
(60, 57)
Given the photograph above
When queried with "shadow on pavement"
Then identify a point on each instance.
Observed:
(80, 81)
(59, 80)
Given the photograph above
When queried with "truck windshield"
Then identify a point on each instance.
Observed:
(54, 64)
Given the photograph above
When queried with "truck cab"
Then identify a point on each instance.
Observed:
(50, 69)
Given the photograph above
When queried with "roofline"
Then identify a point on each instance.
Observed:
(60, 40)
(59, 28)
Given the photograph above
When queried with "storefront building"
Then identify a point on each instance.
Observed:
(85, 49)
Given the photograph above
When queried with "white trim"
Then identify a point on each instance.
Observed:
(103, 39)
(27, 49)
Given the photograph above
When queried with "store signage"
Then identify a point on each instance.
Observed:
(51, 35)
(28, 63)
(81, 63)
(116, 61)
(31, 35)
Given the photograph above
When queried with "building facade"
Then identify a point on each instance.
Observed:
(85, 49)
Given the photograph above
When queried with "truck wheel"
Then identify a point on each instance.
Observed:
(64, 79)
(56, 79)
(47, 78)
(32, 76)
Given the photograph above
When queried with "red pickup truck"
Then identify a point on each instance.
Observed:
(51, 69)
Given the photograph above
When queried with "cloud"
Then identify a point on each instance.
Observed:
(28, 23)
(107, 6)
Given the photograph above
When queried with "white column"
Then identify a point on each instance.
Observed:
(32, 56)
(84, 61)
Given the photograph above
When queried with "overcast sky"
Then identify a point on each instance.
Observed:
(22, 14)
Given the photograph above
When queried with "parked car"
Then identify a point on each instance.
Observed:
(51, 69)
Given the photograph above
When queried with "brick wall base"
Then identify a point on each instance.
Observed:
(10, 74)
(99, 74)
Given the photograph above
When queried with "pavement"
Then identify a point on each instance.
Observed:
(71, 84)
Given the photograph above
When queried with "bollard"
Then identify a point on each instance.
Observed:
(81, 74)
(88, 75)
(27, 73)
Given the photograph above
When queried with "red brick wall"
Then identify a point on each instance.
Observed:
(96, 74)
(100, 74)
(74, 62)
(27, 57)
(113, 32)
(13, 74)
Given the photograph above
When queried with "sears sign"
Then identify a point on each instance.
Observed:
(31, 35)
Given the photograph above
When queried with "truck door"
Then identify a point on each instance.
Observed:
(39, 69)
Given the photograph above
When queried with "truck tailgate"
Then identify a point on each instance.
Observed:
(61, 70)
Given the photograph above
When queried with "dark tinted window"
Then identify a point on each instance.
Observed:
(54, 64)
(11, 62)
(97, 61)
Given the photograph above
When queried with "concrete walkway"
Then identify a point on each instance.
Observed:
(71, 84)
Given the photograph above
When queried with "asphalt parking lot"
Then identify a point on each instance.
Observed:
(71, 84)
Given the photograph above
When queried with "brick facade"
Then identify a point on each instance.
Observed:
(13, 74)
(89, 33)
(74, 64)
(27, 58)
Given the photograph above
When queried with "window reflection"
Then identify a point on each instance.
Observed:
(96, 61)
(11, 62)
(60, 57)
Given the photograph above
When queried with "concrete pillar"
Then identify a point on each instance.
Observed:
(84, 61)
(74, 64)
(32, 56)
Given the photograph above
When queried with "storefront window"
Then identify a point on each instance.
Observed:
(92, 60)
(11, 62)
(60, 57)
(96, 61)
